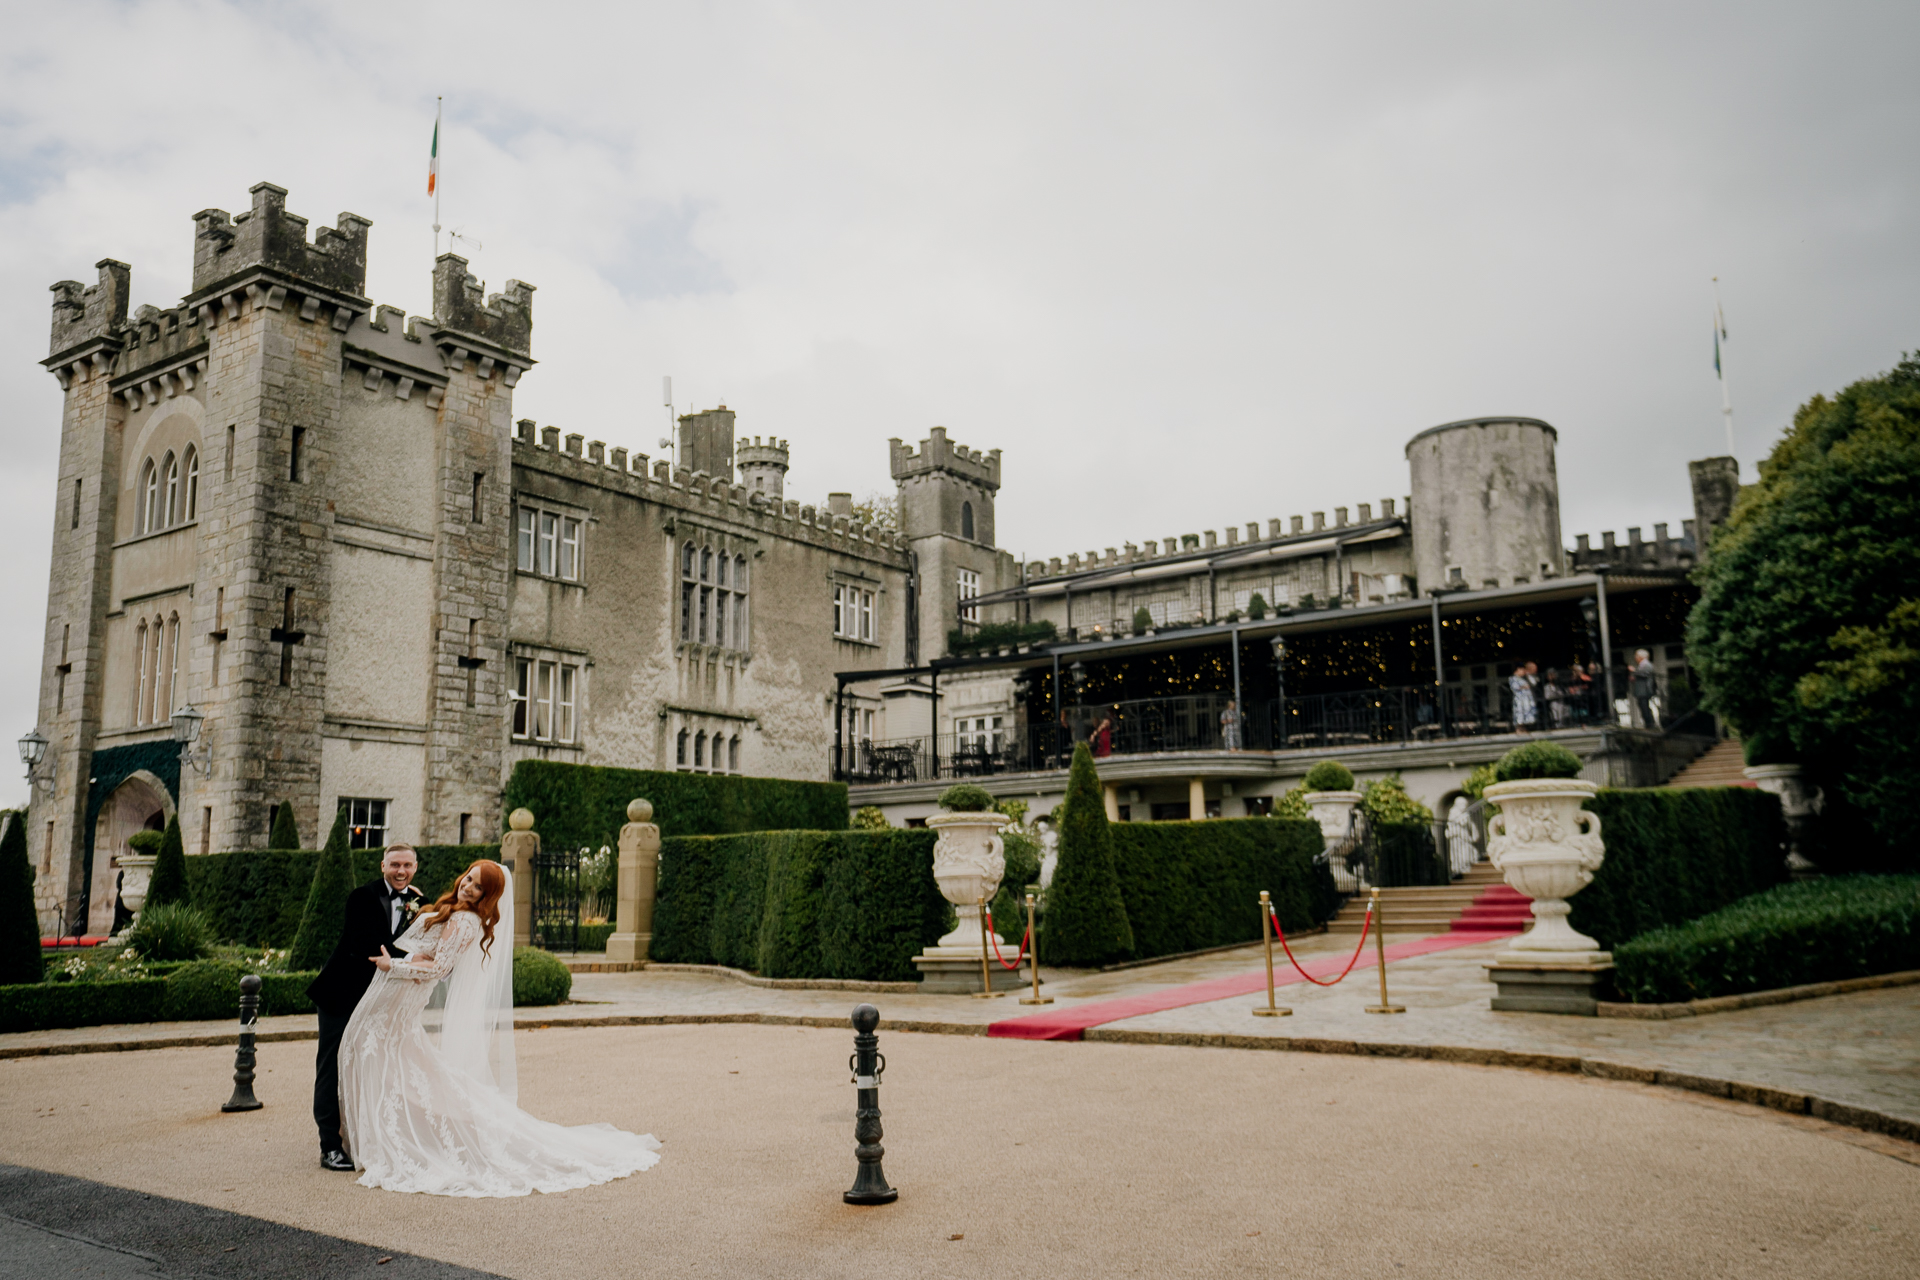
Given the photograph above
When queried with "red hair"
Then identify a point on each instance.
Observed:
(493, 883)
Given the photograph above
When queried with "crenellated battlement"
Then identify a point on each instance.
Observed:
(83, 314)
(1210, 542)
(460, 303)
(937, 454)
(1663, 552)
(268, 236)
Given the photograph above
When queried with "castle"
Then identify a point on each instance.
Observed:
(307, 532)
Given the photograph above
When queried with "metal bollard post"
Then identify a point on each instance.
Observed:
(243, 1058)
(1266, 933)
(868, 1064)
(1380, 950)
(986, 991)
(1033, 959)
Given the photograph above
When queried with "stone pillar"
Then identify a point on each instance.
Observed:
(1196, 799)
(1112, 793)
(639, 874)
(517, 848)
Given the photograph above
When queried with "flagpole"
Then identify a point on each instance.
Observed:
(435, 183)
(1720, 363)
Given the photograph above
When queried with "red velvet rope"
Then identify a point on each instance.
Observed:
(1024, 939)
(1364, 925)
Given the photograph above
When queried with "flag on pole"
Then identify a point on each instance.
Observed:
(433, 156)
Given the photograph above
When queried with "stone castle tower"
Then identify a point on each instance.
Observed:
(946, 496)
(291, 510)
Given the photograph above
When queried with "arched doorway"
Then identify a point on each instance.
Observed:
(139, 803)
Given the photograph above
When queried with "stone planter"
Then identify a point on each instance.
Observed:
(1798, 803)
(1333, 810)
(1548, 847)
(136, 875)
(969, 860)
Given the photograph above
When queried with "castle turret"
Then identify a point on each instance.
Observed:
(763, 467)
(946, 511)
(1486, 503)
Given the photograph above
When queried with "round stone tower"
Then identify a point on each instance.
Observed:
(1486, 503)
(763, 467)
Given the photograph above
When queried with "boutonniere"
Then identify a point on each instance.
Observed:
(412, 903)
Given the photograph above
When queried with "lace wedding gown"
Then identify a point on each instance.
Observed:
(427, 1107)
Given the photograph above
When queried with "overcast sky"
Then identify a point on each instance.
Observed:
(1186, 264)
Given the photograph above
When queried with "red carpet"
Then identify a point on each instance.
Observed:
(1067, 1024)
(1500, 909)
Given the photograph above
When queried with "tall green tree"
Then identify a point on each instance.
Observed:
(1807, 634)
(20, 959)
(1086, 916)
(285, 834)
(326, 913)
(169, 882)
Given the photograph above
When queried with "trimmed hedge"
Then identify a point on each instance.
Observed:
(577, 805)
(256, 898)
(21, 959)
(207, 990)
(1087, 921)
(799, 904)
(1814, 931)
(539, 978)
(1192, 885)
(1677, 854)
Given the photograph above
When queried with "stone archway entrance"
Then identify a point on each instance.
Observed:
(139, 803)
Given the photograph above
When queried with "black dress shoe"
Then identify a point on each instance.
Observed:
(337, 1160)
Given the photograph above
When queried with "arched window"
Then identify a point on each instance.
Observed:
(140, 673)
(966, 520)
(169, 491)
(158, 670)
(720, 609)
(733, 754)
(680, 750)
(164, 711)
(687, 554)
(700, 750)
(703, 631)
(148, 511)
(192, 511)
(740, 603)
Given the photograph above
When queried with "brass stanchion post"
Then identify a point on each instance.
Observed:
(986, 991)
(1266, 934)
(1380, 950)
(1033, 959)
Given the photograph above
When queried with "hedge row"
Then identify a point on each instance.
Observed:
(255, 898)
(800, 904)
(205, 991)
(1675, 855)
(576, 806)
(1191, 885)
(1814, 931)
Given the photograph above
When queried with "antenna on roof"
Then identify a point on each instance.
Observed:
(666, 397)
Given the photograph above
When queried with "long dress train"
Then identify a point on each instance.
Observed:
(419, 1118)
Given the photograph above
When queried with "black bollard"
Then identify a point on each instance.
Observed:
(243, 1058)
(870, 1183)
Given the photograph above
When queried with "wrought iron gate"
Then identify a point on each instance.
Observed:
(556, 900)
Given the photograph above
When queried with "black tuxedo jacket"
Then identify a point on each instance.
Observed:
(348, 972)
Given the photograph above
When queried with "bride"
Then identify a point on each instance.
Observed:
(427, 1083)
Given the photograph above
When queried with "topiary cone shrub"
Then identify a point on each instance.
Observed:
(20, 959)
(1329, 775)
(1086, 916)
(285, 834)
(169, 883)
(326, 913)
(1142, 622)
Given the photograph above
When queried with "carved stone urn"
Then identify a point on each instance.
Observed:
(136, 875)
(1333, 810)
(1548, 847)
(1798, 804)
(969, 859)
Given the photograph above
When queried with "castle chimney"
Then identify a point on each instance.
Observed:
(840, 504)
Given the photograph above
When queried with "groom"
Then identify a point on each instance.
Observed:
(377, 913)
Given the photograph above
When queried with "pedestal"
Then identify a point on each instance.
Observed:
(1533, 984)
(956, 971)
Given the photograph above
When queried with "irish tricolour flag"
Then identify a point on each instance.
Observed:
(433, 158)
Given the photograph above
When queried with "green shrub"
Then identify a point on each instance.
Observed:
(1192, 885)
(1142, 621)
(146, 844)
(1385, 800)
(1257, 607)
(800, 904)
(868, 817)
(1009, 905)
(256, 898)
(282, 993)
(171, 931)
(1814, 931)
(1329, 775)
(1293, 804)
(1674, 855)
(204, 991)
(1000, 635)
(575, 804)
(326, 910)
(966, 798)
(1536, 760)
(20, 955)
(1475, 784)
(285, 834)
(43, 1006)
(169, 883)
(1086, 913)
(539, 978)
(593, 937)
(1406, 853)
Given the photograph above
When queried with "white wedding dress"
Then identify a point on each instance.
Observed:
(427, 1079)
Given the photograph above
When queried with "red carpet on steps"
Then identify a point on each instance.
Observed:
(1501, 909)
(1067, 1024)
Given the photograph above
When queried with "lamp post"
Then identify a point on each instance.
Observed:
(33, 749)
(186, 731)
(1279, 644)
